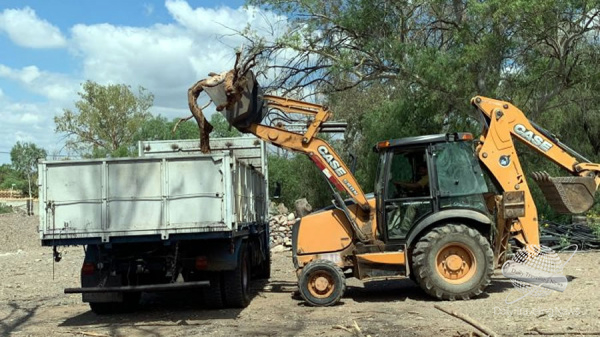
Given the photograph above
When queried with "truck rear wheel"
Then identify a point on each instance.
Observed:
(453, 262)
(322, 283)
(213, 295)
(237, 282)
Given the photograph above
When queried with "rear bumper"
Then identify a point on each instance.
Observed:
(130, 289)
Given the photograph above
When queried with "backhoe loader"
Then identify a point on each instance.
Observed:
(432, 216)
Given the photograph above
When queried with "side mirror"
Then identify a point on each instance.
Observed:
(277, 193)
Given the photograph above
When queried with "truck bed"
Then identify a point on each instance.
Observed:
(149, 198)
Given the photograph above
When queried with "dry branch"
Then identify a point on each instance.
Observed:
(550, 333)
(89, 333)
(487, 331)
(204, 126)
(357, 329)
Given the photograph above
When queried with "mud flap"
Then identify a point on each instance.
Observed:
(567, 195)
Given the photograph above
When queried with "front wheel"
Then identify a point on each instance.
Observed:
(322, 283)
(453, 262)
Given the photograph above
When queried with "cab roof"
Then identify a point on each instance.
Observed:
(424, 140)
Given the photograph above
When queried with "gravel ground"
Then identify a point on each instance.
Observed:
(32, 303)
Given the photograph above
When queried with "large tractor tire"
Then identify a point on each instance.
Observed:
(453, 262)
(236, 282)
(322, 283)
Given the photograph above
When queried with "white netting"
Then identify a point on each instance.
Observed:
(540, 258)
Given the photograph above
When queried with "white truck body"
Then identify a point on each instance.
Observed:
(170, 189)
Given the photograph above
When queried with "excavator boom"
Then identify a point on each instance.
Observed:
(246, 113)
(574, 194)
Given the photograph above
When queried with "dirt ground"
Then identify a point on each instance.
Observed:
(32, 303)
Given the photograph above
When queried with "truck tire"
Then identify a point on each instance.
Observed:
(322, 283)
(213, 295)
(453, 262)
(237, 282)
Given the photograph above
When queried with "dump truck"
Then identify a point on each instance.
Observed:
(170, 219)
(434, 216)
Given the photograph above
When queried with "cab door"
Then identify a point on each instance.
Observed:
(407, 193)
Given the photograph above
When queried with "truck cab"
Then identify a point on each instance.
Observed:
(423, 177)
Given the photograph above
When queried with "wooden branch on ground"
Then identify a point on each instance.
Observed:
(357, 329)
(487, 331)
(89, 333)
(550, 333)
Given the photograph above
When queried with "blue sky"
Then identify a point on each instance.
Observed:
(48, 48)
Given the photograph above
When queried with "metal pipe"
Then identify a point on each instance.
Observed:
(129, 289)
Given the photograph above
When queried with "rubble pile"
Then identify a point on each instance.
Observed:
(281, 231)
(281, 222)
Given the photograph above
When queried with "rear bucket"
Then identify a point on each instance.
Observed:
(567, 195)
(240, 103)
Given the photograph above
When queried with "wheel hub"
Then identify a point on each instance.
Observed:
(455, 263)
(321, 284)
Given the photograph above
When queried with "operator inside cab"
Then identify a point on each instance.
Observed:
(419, 186)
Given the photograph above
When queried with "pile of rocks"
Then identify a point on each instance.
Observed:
(281, 231)
(281, 222)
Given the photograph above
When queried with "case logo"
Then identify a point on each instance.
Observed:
(531, 137)
(335, 165)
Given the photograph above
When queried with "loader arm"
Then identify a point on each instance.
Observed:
(321, 153)
(575, 194)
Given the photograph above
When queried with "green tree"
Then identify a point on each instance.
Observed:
(24, 158)
(299, 178)
(160, 128)
(221, 127)
(105, 120)
(402, 68)
(12, 179)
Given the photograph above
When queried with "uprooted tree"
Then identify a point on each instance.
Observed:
(234, 85)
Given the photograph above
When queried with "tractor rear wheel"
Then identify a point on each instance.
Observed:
(453, 262)
(322, 283)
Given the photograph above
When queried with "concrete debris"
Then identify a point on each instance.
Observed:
(281, 231)
(281, 209)
(302, 207)
(278, 249)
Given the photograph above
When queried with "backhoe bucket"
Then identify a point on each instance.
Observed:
(567, 195)
(241, 102)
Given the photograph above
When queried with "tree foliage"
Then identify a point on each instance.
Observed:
(299, 178)
(105, 120)
(24, 158)
(403, 68)
(221, 127)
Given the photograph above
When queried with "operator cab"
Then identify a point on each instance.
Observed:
(419, 176)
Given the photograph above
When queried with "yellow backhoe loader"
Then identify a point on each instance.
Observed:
(431, 216)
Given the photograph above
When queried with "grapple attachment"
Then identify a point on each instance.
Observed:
(567, 195)
(238, 98)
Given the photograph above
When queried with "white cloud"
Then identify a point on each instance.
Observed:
(27, 122)
(165, 58)
(53, 86)
(26, 29)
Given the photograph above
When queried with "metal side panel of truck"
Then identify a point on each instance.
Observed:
(160, 194)
(170, 219)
